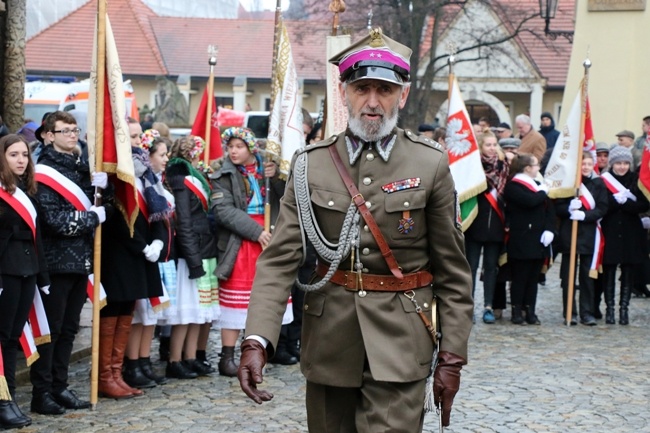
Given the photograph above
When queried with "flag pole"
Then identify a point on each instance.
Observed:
(450, 61)
(574, 226)
(99, 162)
(274, 92)
(212, 61)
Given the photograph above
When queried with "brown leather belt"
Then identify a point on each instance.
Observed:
(377, 283)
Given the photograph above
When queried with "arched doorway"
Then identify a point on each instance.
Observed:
(480, 104)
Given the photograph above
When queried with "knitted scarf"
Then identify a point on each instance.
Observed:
(496, 174)
(257, 170)
(154, 193)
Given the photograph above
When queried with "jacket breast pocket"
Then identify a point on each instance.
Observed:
(406, 208)
(330, 208)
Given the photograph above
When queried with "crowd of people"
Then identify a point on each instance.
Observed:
(187, 262)
(519, 230)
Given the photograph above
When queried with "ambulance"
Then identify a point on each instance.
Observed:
(45, 96)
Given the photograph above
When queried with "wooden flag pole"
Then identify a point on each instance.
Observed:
(212, 61)
(274, 92)
(99, 162)
(578, 181)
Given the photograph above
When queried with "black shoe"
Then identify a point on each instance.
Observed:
(69, 400)
(134, 377)
(46, 405)
(10, 416)
(294, 349)
(147, 370)
(203, 359)
(198, 367)
(597, 314)
(588, 320)
(283, 357)
(178, 370)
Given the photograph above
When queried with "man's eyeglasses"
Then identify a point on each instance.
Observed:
(66, 132)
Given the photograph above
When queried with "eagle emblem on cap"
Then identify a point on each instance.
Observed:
(376, 38)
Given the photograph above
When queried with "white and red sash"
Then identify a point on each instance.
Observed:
(195, 185)
(38, 320)
(491, 197)
(589, 203)
(615, 187)
(23, 207)
(28, 345)
(90, 291)
(63, 186)
(142, 203)
(526, 181)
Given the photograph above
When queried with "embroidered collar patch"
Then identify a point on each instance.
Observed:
(355, 146)
(400, 185)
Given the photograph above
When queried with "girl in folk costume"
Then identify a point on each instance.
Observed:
(22, 265)
(588, 210)
(195, 305)
(139, 372)
(131, 273)
(624, 233)
(488, 229)
(530, 220)
(238, 206)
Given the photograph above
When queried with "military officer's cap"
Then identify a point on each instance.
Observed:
(375, 57)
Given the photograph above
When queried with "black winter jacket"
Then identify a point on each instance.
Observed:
(195, 240)
(67, 233)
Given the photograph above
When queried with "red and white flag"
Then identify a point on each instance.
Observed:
(644, 170)
(116, 150)
(38, 320)
(159, 303)
(90, 290)
(199, 126)
(589, 145)
(28, 345)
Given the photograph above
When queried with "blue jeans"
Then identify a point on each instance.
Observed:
(491, 251)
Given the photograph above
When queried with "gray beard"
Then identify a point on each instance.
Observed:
(372, 130)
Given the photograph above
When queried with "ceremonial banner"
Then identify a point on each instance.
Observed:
(199, 127)
(285, 135)
(589, 144)
(336, 110)
(117, 145)
(464, 156)
(561, 171)
(90, 290)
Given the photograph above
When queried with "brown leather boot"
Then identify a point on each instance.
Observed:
(122, 330)
(107, 387)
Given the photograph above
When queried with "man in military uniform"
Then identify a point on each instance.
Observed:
(366, 353)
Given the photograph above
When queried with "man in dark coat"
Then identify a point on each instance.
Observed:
(68, 245)
(365, 349)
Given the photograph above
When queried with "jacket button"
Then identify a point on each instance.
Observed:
(370, 157)
(365, 251)
(306, 307)
(367, 181)
(366, 228)
(368, 204)
(406, 204)
(330, 203)
(27, 252)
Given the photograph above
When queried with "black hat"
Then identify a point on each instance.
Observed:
(39, 130)
(425, 127)
(504, 125)
(547, 115)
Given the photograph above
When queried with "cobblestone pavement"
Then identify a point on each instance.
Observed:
(520, 379)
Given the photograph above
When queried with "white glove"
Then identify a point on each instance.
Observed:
(99, 179)
(544, 187)
(547, 238)
(45, 289)
(646, 222)
(620, 197)
(575, 204)
(153, 252)
(100, 211)
(577, 215)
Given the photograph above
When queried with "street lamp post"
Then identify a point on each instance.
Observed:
(547, 10)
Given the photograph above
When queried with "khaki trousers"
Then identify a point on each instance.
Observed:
(375, 407)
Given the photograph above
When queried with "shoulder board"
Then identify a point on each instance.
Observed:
(421, 139)
(319, 144)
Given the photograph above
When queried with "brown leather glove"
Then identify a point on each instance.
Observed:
(251, 363)
(446, 381)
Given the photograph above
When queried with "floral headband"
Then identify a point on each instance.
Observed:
(246, 135)
(199, 145)
(148, 137)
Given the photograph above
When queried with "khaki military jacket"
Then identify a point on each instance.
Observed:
(342, 330)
